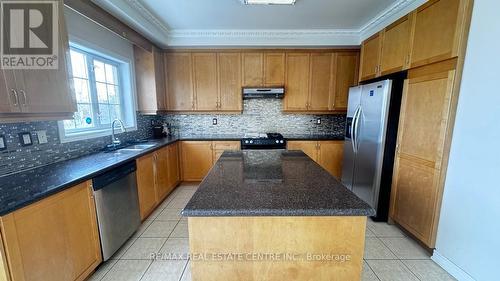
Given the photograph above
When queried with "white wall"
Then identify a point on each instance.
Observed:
(468, 242)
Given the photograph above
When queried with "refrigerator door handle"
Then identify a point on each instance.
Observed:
(354, 129)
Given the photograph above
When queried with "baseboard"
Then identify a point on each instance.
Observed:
(450, 267)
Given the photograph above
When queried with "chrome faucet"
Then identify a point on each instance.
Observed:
(114, 140)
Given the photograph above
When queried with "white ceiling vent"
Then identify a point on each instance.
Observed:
(269, 2)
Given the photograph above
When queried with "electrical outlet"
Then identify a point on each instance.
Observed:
(318, 121)
(3, 143)
(42, 136)
(214, 121)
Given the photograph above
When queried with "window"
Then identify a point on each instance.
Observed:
(101, 95)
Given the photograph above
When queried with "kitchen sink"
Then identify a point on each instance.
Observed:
(136, 147)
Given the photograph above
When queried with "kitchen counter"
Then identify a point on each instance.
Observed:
(26, 187)
(272, 183)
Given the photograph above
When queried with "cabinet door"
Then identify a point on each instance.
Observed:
(274, 69)
(437, 31)
(179, 82)
(308, 147)
(173, 166)
(230, 97)
(160, 86)
(321, 81)
(396, 46)
(205, 81)
(161, 173)
(9, 97)
(49, 91)
(150, 80)
(220, 146)
(253, 69)
(330, 157)
(146, 184)
(421, 137)
(297, 81)
(346, 76)
(54, 239)
(370, 57)
(196, 159)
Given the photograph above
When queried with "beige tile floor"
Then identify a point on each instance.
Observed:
(389, 254)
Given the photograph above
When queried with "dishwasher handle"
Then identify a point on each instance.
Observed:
(115, 174)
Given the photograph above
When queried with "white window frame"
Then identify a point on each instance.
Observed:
(126, 80)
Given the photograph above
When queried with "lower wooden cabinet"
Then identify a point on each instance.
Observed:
(53, 239)
(157, 176)
(328, 154)
(197, 157)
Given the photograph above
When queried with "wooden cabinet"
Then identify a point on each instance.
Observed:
(346, 69)
(173, 166)
(40, 94)
(157, 175)
(53, 239)
(146, 184)
(205, 81)
(424, 128)
(230, 98)
(328, 154)
(297, 81)
(220, 146)
(150, 80)
(321, 82)
(253, 69)
(439, 31)
(370, 57)
(396, 39)
(196, 159)
(274, 69)
(180, 93)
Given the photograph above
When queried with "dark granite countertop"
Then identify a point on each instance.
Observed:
(272, 183)
(23, 188)
(314, 137)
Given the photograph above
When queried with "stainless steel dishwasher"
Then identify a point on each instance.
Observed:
(117, 205)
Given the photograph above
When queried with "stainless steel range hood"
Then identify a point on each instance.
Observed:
(263, 93)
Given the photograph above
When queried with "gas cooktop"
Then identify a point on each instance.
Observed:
(263, 141)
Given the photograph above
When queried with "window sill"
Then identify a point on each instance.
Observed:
(81, 136)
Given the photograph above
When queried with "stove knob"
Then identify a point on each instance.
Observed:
(277, 141)
(246, 141)
(251, 141)
(281, 141)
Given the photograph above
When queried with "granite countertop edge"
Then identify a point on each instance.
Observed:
(277, 212)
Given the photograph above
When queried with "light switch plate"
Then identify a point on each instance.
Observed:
(214, 121)
(42, 136)
(25, 139)
(318, 121)
(3, 143)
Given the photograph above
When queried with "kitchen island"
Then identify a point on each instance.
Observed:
(274, 215)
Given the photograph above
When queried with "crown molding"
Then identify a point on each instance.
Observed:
(139, 17)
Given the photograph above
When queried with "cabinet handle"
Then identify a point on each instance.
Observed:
(24, 97)
(16, 97)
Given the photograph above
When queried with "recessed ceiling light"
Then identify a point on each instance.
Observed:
(269, 2)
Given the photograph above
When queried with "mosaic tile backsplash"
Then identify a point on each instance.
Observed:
(17, 158)
(259, 116)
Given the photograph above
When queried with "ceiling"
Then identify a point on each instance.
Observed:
(230, 22)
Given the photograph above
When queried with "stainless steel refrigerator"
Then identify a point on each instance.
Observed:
(365, 148)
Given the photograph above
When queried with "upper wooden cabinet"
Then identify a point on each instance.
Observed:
(395, 54)
(263, 69)
(205, 81)
(230, 98)
(253, 69)
(274, 69)
(370, 56)
(297, 81)
(40, 93)
(319, 82)
(180, 93)
(150, 80)
(53, 239)
(439, 31)
(346, 69)
(434, 32)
